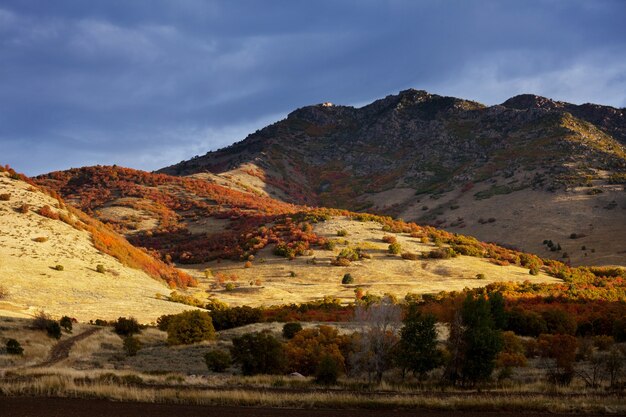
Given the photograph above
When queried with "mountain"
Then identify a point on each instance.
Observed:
(521, 173)
(55, 258)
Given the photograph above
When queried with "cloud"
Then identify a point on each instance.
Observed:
(147, 83)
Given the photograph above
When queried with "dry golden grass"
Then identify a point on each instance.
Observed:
(380, 274)
(79, 290)
(526, 218)
(73, 385)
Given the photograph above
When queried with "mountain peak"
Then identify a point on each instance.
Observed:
(531, 101)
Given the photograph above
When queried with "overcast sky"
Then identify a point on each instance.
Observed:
(146, 84)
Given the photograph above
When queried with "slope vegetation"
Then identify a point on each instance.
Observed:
(55, 258)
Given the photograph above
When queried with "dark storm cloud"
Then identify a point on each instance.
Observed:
(148, 83)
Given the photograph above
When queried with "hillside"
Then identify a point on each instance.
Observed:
(261, 251)
(49, 260)
(556, 168)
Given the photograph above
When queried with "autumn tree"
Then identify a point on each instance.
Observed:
(258, 353)
(377, 337)
(306, 349)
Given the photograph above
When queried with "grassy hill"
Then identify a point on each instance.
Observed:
(57, 259)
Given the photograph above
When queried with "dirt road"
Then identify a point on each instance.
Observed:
(62, 349)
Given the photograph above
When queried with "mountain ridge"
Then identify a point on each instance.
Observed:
(394, 153)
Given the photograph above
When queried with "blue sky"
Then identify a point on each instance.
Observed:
(146, 84)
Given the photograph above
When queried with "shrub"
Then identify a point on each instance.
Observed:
(23, 208)
(248, 264)
(341, 262)
(163, 321)
(14, 347)
(480, 276)
(347, 279)
(4, 292)
(5, 197)
(66, 323)
(348, 253)
(58, 268)
(230, 286)
(327, 370)
(395, 248)
(131, 345)
(126, 326)
(46, 211)
(218, 360)
(53, 329)
(40, 239)
(291, 329)
(441, 253)
(190, 327)
(100, 269)
(342, 232)
(534, 271)
(329, 245)
(389, 239)
(228, 318)
(410, 256)
(258, 353)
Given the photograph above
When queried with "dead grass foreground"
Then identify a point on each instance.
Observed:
(73, 385)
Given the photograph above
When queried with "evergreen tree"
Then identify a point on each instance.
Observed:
(417, 351)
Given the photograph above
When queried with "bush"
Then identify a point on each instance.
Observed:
(66, 323)
(389, 239)
(441, 253)
(394, 248)
(14, 347)
(100, 269)
(291, 329)
(53, 329)
(218, 360)
(410, 256)
(480, 276)
(58, 268)
(228, 318)
(190, 327)
(5, 197)
(46, 211)
(327, 370)
(258, 353)
(126, 326)
(40, 239)
(342, 232)
(347, 279)
(4, 292)
(131, 345)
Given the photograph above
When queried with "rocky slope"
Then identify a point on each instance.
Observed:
(529, 170)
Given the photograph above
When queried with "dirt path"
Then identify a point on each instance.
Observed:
(62, 349)
(66, 407)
